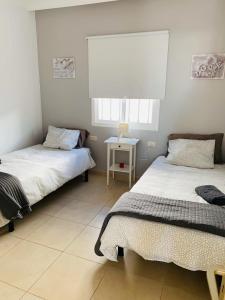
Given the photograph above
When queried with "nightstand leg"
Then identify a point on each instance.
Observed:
(130, 167)
(113, 163)
(108, 162)
(134, 178)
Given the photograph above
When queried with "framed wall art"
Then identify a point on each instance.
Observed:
(208, 66)
(63, 67)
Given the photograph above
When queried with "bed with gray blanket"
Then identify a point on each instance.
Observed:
(164, 219)
(27, 176)
(14, 203)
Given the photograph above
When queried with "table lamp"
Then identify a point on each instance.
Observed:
(123, 130)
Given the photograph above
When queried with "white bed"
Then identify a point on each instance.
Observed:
(188, 248)
(43, 170)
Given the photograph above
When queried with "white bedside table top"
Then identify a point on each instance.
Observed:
(127, 141)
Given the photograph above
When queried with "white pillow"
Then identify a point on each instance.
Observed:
(60, 138)
(192, 153)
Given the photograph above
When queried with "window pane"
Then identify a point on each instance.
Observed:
(150, 117)
(105, 109)
(134, 110)
(115, 109)
(126, 111)
(137, 112)
(98, 105)
(143, 110)
(123, 110)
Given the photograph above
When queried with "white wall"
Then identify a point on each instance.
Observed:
(190, 105)
(20, 105)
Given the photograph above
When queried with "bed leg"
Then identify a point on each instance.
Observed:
(86, 176)
(11, 226)
(120, 252)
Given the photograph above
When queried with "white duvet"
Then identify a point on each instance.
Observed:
(188, 248)
(43, 170)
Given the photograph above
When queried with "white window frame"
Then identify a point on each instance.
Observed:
(153, 126)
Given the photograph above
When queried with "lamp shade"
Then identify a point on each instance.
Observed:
(123, 129)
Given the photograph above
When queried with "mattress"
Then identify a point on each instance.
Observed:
(42, 170)
(188, 248)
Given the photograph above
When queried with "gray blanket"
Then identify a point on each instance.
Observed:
(13, 201)
(199, 216)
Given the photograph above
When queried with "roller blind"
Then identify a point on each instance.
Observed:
(128, 65)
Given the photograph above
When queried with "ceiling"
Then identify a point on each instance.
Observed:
(48, 4)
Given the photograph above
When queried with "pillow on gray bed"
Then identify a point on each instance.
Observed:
(61, 138)
(192, 153)
(82, 137)
(218, 137)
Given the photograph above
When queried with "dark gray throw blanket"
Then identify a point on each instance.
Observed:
(13, 201)
(199, 216)
(211, 194)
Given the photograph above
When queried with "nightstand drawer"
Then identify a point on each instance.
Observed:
(119, 146)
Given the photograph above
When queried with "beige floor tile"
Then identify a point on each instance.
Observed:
(95, 191)
(83, 245)
(23, 264)
(79, 211)
(50, 208)
(117, 189)
(68, 278)
(134, 264)
(26, 226)
(99, 219)
(30, 297)
(120, 285)
(92, 194)
(194, 283)
(8, 292)
(7, 242)
(56, 233)
(65, 191)
(96, 196)
(72, 188)
(81, 204)
(170, 293)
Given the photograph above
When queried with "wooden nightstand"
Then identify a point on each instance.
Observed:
(121, 144)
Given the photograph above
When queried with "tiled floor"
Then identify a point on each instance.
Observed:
(50, 255)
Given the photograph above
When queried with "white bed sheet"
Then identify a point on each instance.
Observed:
(43, 170)
(188, 248)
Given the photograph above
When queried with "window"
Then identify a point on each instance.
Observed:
(139, 113)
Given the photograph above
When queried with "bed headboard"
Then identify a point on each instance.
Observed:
(82, 139)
